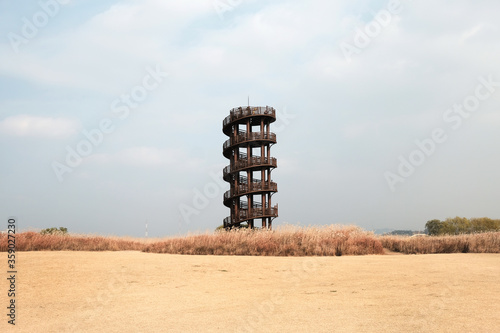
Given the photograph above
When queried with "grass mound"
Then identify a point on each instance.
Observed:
(488, 242)
(34, 241)
(285, 241)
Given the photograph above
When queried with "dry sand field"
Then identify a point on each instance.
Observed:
(142, 292)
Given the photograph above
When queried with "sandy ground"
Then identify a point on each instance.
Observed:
(140, 292)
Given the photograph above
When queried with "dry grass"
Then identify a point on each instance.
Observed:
(285, 241)
(331, 240)
(34, 241)
(488, 242)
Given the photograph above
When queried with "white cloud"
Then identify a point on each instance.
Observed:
(147, 157)
(32, 126)
(97, 54)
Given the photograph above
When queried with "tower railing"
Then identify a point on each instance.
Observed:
(256, 213)
(244, 137)
(241, 112)
(254, 161)
(247, 188)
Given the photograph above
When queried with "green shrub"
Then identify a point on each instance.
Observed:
(461, 225)
(54, 231)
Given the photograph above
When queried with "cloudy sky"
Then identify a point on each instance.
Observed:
(111, 111)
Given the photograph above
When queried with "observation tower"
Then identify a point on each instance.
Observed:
(250, 164)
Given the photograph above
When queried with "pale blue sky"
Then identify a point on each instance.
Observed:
(349, 112)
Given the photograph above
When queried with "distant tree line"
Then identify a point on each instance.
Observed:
(461, 225)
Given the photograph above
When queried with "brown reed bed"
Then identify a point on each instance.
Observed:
(285, 241)
(488, 242)
(333, 240)
(34, 241)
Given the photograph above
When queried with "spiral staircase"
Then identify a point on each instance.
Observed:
(250, 164)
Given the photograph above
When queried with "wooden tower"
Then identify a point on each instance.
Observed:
(250, 164)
